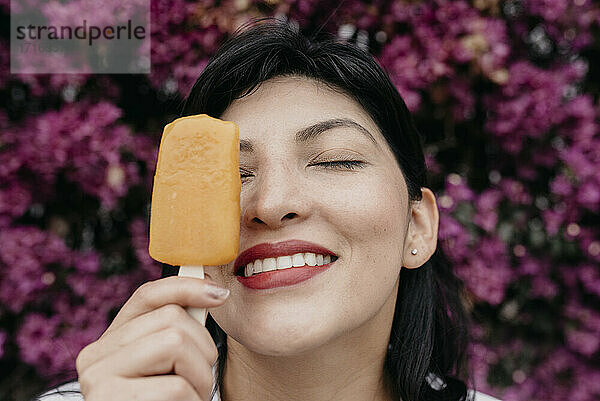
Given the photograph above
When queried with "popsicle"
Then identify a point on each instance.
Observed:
(195, 208)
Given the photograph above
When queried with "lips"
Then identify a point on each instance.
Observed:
(274, 250)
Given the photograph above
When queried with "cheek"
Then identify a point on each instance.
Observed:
(371, 215)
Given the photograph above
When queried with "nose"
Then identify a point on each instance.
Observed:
(275, 199)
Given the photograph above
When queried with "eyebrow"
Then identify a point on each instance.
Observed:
(313, 131)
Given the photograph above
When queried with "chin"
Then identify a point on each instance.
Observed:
(282, 341)
(282, 348)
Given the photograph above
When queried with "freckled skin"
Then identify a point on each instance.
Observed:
(286, 337)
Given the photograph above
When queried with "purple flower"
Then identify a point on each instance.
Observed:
(589, 277)
(454, 238)
(583, 341)
(15, 199)
(463, 104)
(26, 252)
(3, 336)
(486, 271)
(543, 287)
(515, 191)
(83, 141)
(553, 219)
(457, 188)
(37, 346)
(588, 195)
(87, 262)
(568, 23)
(549, 9)
(486, 215)
(530, 103)
(561, 186)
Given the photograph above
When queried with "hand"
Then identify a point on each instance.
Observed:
(153, 350)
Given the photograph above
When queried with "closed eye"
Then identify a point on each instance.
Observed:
(337, 164)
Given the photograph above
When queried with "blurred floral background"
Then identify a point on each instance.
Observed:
(505, 93)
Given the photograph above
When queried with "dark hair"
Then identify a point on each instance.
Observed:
(429, 336)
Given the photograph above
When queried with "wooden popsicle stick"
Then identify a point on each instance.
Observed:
(194, 271)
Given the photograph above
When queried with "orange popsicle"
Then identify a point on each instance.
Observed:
(195, 209)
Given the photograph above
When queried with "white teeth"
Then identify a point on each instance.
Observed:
(284, 262)
(269, 264)
(249, 269)
(319, 260)
(298, 259)
(310, 258)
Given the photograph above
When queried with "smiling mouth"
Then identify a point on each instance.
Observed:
(297, 260)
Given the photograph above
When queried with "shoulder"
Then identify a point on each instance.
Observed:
(65, 392)
(481, 396)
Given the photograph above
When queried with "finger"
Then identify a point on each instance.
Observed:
(184, 291)
(164, 352)
(154, 388)
(156, 320)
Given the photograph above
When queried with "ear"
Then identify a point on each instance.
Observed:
(422, 233)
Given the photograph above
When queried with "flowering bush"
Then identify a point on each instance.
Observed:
(504, 92)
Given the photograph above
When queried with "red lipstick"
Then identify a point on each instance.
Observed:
(284, 277)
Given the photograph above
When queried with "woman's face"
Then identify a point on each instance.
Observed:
(360, 214)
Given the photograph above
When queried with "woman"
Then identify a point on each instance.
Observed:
(333, 175)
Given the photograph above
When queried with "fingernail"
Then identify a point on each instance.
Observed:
(216, 291)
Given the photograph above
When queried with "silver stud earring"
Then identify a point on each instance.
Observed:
(414, 251)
